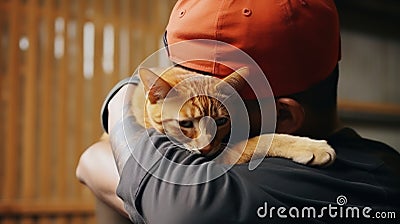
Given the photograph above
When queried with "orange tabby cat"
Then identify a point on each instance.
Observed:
(190, 113)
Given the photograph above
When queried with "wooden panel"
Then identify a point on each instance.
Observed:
(78, 104)
(30, 102)
(46, 93)
(371, 108)
(12, 105)
(46, 208)
(98, 74)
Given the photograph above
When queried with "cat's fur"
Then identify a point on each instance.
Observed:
(187, 112)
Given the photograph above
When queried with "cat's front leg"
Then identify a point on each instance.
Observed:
(299, 149)
(302, 150)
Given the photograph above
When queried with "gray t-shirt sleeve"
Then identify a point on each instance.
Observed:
(134, 79)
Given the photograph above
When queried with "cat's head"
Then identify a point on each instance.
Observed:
(189, 107)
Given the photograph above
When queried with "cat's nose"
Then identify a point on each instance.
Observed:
(206, 149)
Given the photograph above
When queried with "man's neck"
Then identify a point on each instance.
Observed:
(320, 126)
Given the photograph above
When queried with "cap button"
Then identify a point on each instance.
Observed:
(182, 13)
(246, 12)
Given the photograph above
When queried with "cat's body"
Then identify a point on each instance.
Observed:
(194, 114)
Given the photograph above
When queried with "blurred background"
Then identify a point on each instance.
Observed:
(59, 58)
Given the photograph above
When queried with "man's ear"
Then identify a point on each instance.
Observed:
(290, 115)
(156, 87)
(236, 80)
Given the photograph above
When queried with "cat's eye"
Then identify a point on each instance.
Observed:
(186, 124)
(221, 121)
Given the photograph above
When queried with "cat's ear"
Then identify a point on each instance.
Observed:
(155, 87)
(235, 79)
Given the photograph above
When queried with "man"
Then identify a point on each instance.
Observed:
(296, 44)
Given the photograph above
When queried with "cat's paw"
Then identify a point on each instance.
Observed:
(314, 153)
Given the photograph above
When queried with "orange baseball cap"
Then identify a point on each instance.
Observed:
(295, 43)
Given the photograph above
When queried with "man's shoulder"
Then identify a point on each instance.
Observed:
(350, 139)
(363, 167)
(357, 158)
(362, 153)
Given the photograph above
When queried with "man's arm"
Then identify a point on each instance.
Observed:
(97, 170)
(119, 109)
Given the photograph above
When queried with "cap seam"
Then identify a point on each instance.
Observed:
(217, 35)
(182, 61)
(287, 11)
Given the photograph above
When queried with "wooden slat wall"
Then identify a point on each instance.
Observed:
(50, 107)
